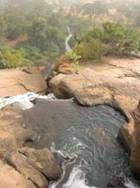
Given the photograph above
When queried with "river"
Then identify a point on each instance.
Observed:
(85, 137)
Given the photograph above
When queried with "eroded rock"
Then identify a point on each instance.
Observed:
(123, 83)
(44, 161)
(64, 66)
(16, 81)
(57, 87)
(22, 164)
(10, 178)
(12, 121)
(8, 143)
(130, 135)
(29, 168)
(135, 147)
(90, 96)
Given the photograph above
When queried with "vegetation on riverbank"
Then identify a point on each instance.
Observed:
(33, 31)
(108, 39)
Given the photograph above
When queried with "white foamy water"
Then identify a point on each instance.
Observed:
(24, 101)
(76, 180)
(129, 184)
(77, 176)
(67, 46)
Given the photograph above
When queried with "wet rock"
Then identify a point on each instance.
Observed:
(116, 183)
(44, 161)
(130, 135)
(10, 178)
(135, 146)
(126, 134)
(17, 81)
(22, 164)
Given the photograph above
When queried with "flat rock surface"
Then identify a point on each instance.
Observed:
(120, 76)
(17, 81)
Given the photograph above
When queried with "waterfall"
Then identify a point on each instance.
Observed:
(67, 46)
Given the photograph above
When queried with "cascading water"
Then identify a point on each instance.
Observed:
(85, 136)
(68, 38)
(24, 101)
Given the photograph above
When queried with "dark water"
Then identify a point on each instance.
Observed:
(88, 134)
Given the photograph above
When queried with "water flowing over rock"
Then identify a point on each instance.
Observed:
(87, 134)
(116, 183)
(116, 82)
(29, 125)
(38, 127)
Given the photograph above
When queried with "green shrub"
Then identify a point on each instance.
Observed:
(72, 56)
(95, 33)
(89, 50)
(122, 40)
(110, 39)
(32, 53)
(12, 58)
